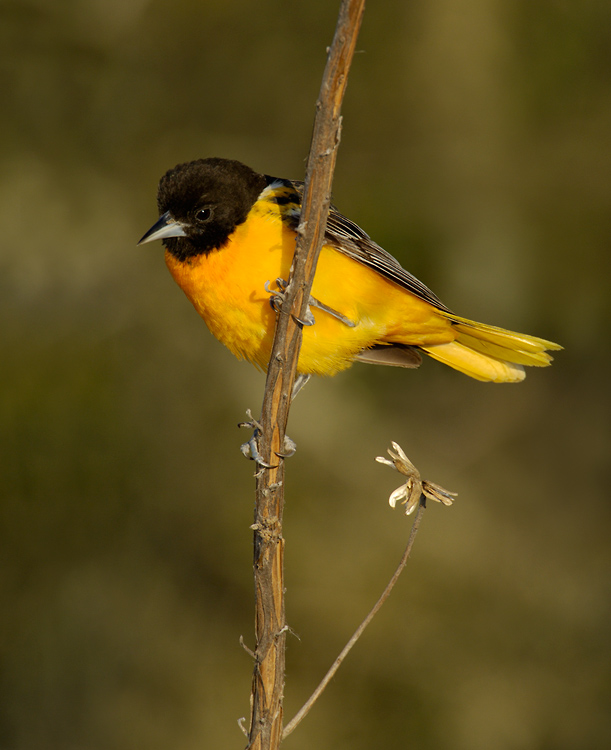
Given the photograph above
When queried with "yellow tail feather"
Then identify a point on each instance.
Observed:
(489, 353)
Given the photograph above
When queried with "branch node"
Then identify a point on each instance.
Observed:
(249, 651)
(268, 529)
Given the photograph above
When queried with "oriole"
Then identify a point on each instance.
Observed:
(229, 232)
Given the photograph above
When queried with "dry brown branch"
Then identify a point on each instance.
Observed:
(270, 627)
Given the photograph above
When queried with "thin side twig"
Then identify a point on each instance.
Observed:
(307, 706)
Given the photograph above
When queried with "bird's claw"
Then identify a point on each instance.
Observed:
(276, 295)
(308, 318)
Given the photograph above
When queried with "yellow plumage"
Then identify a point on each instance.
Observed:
(227, 287)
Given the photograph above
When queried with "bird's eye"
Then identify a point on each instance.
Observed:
(203, 214)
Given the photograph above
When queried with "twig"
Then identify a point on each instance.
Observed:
(305, 709)
(270, 627)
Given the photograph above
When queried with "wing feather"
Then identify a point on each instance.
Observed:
(347, 237)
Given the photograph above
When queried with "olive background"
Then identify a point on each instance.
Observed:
(475, 148)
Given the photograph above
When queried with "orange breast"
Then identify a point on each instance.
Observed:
(227, 288)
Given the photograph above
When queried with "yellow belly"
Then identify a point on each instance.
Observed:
(227, 288)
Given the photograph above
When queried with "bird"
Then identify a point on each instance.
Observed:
(229, 234)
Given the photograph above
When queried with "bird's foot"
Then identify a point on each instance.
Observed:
(276, 295)
(277, 298)
(299, 383)
(342, 318)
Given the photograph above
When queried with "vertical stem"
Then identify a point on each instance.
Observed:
(268, 678)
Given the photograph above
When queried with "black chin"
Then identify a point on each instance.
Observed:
(194, 244)
(179, 247)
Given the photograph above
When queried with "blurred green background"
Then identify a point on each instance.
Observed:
(476, 148)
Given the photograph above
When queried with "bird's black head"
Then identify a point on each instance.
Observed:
(201, 203)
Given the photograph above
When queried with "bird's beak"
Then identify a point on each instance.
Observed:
(166, 226)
